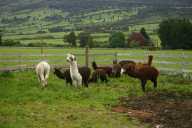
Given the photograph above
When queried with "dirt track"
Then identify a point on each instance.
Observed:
(160, 109)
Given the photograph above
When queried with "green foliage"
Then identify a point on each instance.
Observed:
(10, 43)
(176, 33)
(85, 39)
(148, 41)
(134, 44)
(71, 39)
(1, 35)
(144, 33)
(117, 39)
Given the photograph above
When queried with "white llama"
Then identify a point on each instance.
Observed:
(74, 72)
(42, 70)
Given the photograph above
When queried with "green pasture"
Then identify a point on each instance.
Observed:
(24, 104)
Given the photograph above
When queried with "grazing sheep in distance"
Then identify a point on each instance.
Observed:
(98, 74)
(107, 69)
(42, 70)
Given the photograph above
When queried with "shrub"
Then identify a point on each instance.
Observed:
(10, 43)
(134, 44)
(117, 39)
(176, 34)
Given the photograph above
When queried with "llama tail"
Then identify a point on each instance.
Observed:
(150, 59)
(94, 65)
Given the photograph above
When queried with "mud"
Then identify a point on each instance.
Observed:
(160, 109)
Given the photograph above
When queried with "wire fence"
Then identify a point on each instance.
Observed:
(172, 63)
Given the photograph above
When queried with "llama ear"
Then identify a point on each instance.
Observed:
(74, 58)
(71, 58)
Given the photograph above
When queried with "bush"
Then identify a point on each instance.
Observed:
(39, 45)
(134, 44)
(10, 43)
(117, 39)
(71, 39)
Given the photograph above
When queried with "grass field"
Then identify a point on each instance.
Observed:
(24, 104)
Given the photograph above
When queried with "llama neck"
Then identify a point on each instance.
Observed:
(150, 58)
(94, 66)
(73, 67)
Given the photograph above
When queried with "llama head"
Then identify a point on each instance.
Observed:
(128, 68)
(94, 65)
(71, 58)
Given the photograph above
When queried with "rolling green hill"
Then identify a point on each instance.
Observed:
(24, 17)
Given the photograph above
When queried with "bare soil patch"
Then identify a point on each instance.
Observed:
(160, 109)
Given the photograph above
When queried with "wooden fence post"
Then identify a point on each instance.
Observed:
(183, 63)
(87, 56)
(116, 56)
(20, 62)
(42, 53)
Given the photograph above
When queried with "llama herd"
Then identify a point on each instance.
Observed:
(78, 76)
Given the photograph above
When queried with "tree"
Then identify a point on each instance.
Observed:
(144, 33)
(117, 39)
(146, 36)
(1, 35)
(71, 39)
(175, 33)
(85, 39)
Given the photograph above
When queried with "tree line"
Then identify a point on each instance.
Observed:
(116, 39)
(173, 33)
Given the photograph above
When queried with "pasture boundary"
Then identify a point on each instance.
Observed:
(89, 57)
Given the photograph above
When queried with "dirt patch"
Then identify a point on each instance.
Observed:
(161, 109)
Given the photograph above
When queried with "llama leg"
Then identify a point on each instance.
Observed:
(42, 80)
(106, 79)
(143, 82)
(86, 82)
(155, 83)
(74, 83)
(79, 82)
(39, 78)
(46, 77)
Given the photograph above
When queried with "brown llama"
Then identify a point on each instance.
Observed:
(99, 74)
(116, 69)
(124, 62)
(107, 69)
(143, 72)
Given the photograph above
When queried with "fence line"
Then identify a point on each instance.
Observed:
(160, 55)
(92, 56)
